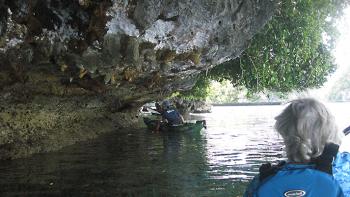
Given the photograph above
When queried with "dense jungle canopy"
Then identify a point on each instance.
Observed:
(292, 52)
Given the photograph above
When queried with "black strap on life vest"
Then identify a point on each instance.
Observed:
(322, 163)
(267, 170)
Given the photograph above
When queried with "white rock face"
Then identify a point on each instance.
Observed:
(174, 38)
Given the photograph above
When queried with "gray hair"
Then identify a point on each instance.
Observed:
(306, 126)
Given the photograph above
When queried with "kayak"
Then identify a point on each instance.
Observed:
(164, 127)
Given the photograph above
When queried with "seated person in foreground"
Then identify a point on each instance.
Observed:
(171, 115)
(312, 140)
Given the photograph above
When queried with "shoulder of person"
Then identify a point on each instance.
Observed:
(252, 187)
(266, 170)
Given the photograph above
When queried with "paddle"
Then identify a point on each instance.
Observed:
(346, 130)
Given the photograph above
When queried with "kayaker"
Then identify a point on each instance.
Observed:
(311, 140)
(171, 115)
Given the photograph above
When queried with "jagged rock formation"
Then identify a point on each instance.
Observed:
(66, 65)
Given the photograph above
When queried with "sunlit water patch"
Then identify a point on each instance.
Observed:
(240, 139)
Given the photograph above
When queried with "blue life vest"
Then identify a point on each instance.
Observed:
(172, 116)
(298, 180)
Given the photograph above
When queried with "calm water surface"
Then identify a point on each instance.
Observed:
(218, 161)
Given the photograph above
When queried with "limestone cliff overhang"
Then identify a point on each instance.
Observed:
(130, 48)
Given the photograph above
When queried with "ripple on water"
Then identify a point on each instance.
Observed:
(218, 161)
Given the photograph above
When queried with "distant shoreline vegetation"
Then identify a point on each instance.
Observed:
(247, 104)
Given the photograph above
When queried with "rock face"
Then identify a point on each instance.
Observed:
(67, 64)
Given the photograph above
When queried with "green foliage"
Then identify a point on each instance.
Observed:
(292, 51)
(223, 92)
(199, 91)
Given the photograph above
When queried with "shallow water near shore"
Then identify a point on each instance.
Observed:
(218, 161)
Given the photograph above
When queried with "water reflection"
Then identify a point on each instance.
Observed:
(216, 162)
(239, 139)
